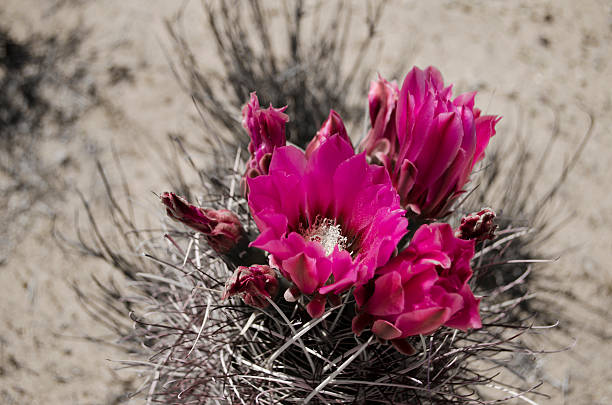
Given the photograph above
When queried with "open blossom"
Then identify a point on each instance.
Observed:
(478, 225)
(421, 289)
(327, 221)
(222, 228)
(266, 127)
(333, 125)
(428, 142)
(254, 284)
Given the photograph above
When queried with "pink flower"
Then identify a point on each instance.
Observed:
(328, 221)
(254, 284)
(478, 226)
(267, 131)
(428, 142)
(333, 125)
(421, 289)
(222, 228)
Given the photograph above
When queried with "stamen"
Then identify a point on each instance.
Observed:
(328, 234)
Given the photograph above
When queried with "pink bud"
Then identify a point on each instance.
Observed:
(333, 125)
(381, 141)
(254, 284)
(266, 127)
(222, 228)
(479, 226)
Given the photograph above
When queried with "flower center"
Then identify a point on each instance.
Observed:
(328, 234)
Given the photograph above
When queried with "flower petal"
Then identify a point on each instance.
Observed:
(360, 322)
(303, 272)
(319, 174)
(422, 321)
(403, 346)
(485, 129)
(289, 159)
(468, 316)
(344, 271)
(388, 297)
(316, 306)
(385, 330)
(443, 144)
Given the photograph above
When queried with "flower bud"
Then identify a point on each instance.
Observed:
(381, 143)
(333, 125)
(266, 127)
(222, 228)
(254, 284)
(478, 226)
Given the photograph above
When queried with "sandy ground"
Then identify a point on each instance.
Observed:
(531, 61)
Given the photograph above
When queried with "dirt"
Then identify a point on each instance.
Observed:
(531, 61)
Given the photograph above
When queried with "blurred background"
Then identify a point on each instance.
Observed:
(84, 81)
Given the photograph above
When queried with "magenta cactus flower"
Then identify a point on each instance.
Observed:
(222, 228)
(254, 284)
(428, 142)
(478, 226)
(267, 131)
(333, 125)
(421, 289)
(327, 221)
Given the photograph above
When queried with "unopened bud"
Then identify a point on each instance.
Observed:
(222, 228)
(333, 125)
(255, 284)
(478, 226)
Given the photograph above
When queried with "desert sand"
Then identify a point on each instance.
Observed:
(531, 61)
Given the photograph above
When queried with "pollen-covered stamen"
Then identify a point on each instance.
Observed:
(328, 233)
